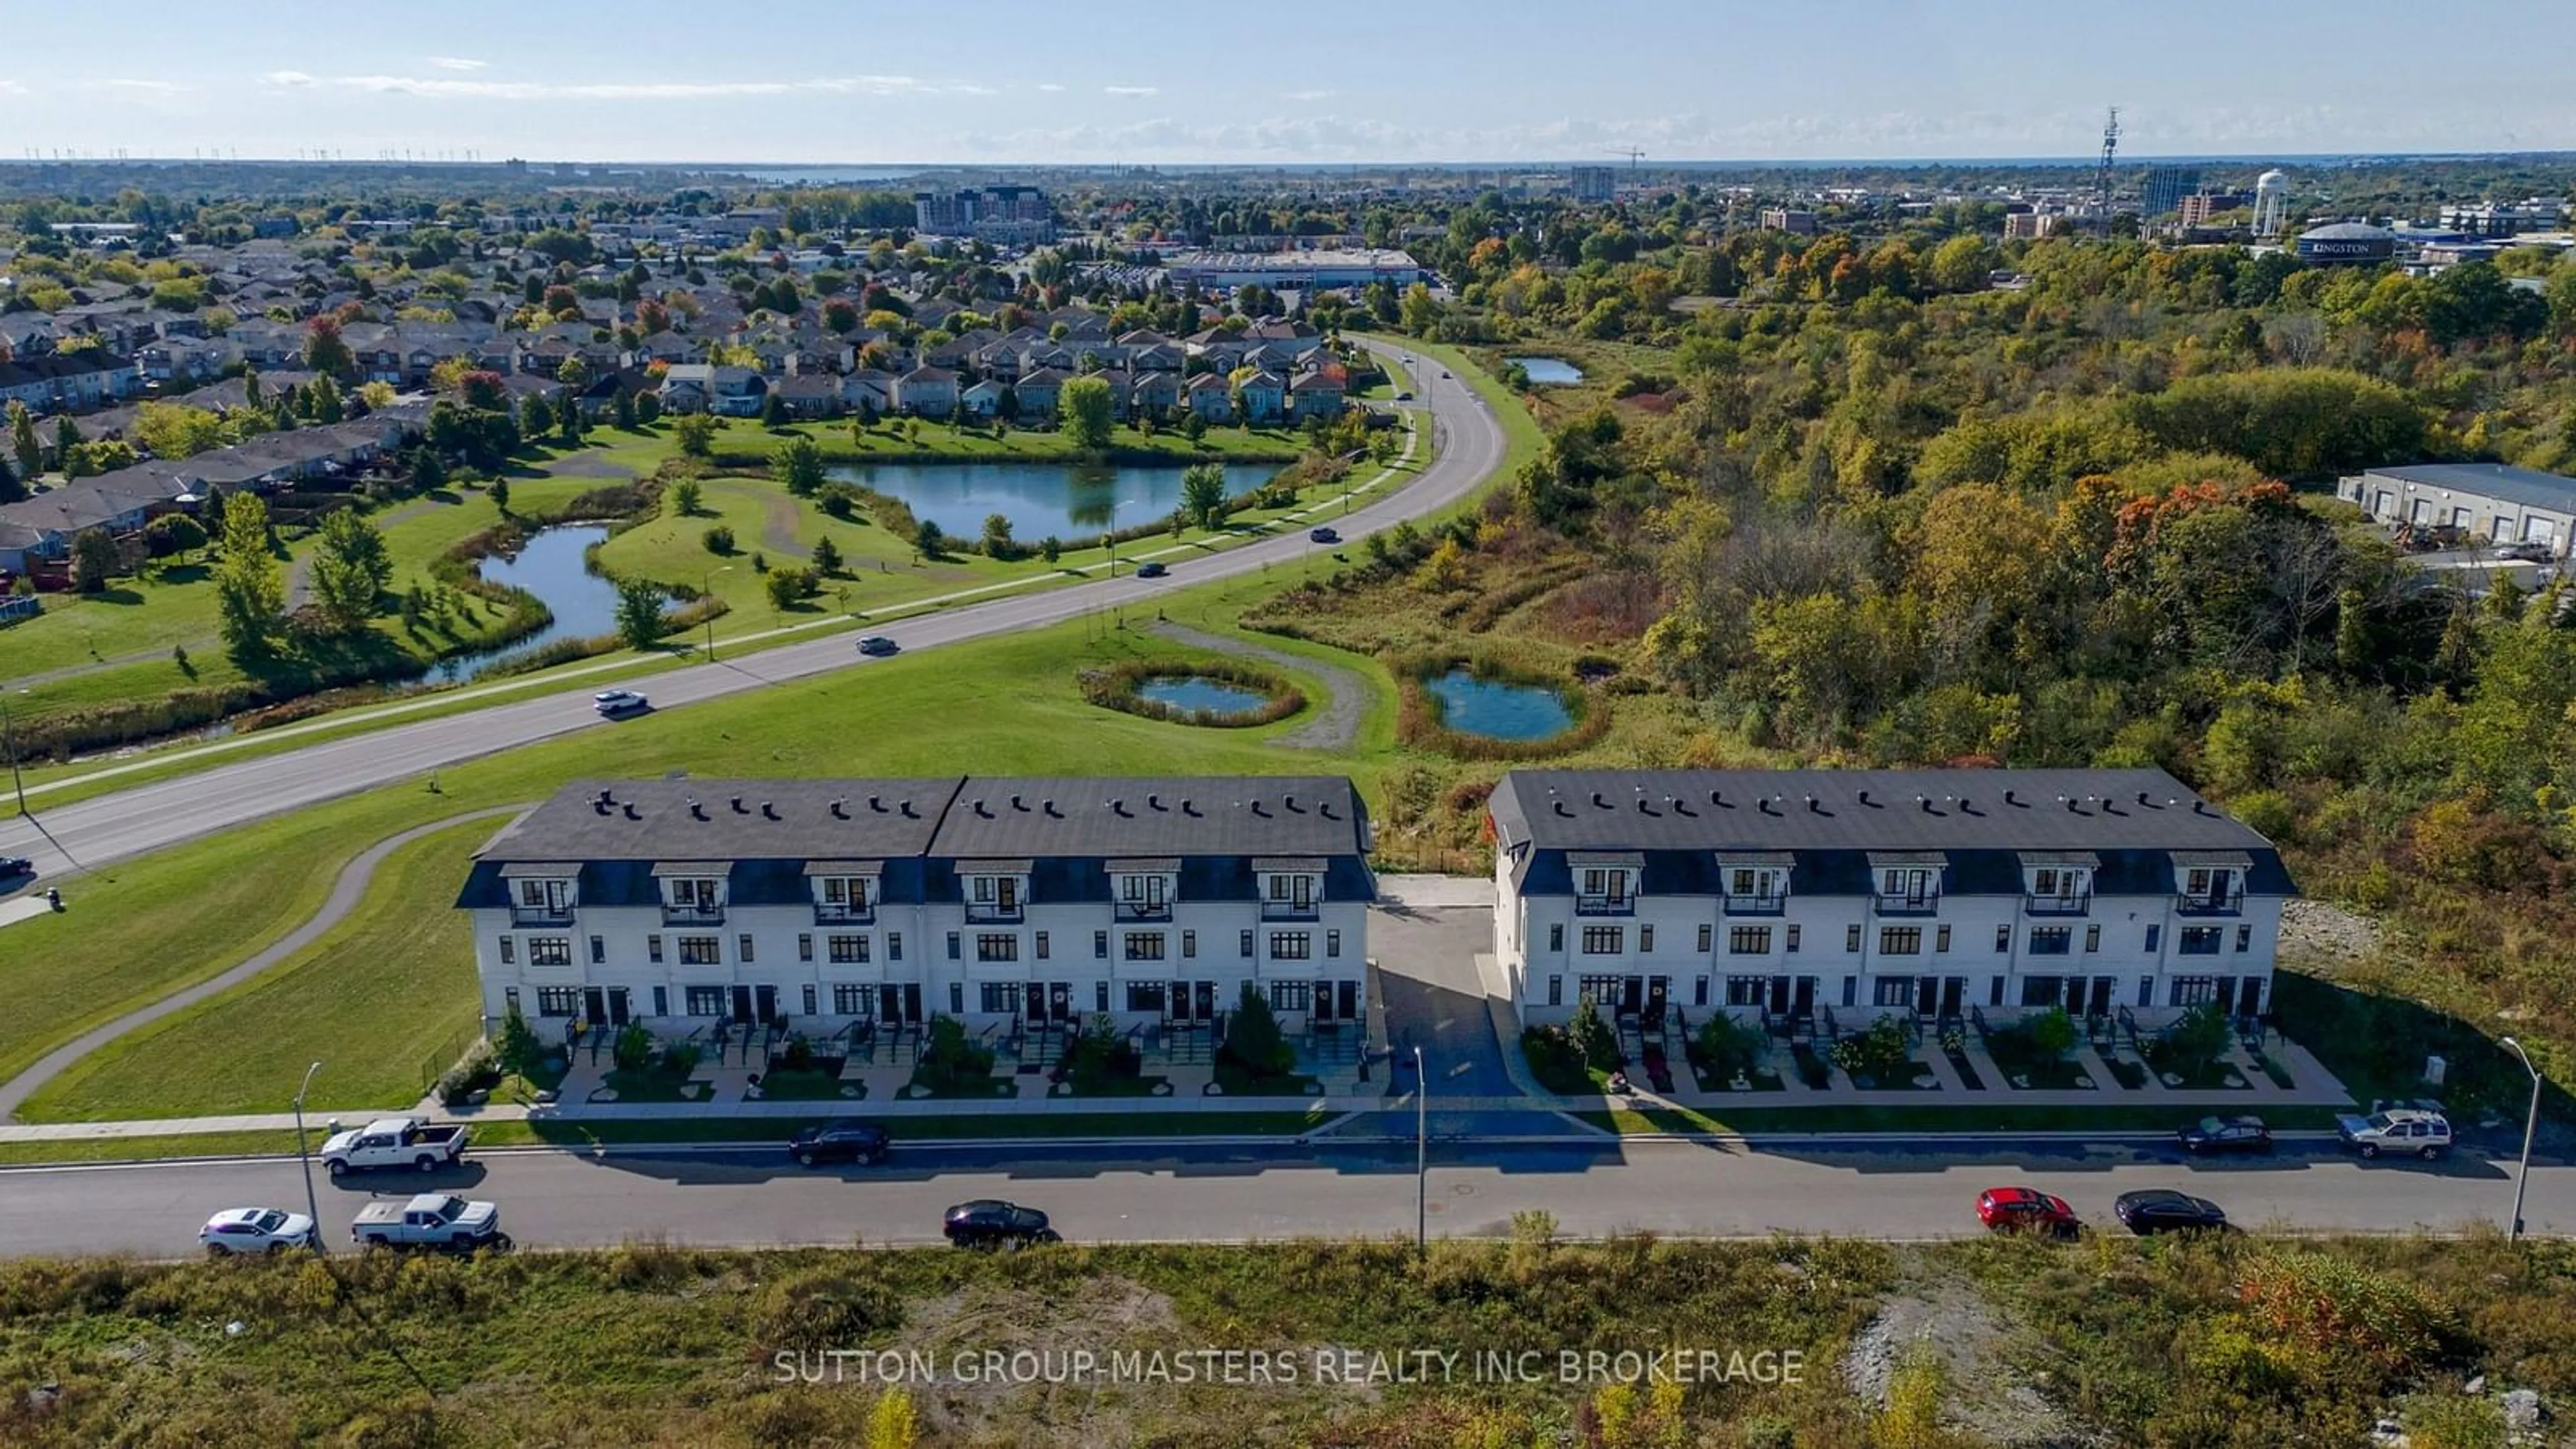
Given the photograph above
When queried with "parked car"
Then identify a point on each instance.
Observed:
(256, 1230)
(614, 702)
(877, 644)
(2212, 1135)
(844, 1141)
(1404, 397)
(1149, 569)
(394, 1142)
(2401, 1129)
(2163, 1210)
(14, 866)
(429, 1220)
(1322, 535)
(992, 1223)
(2524, 552)
(2006, 1208)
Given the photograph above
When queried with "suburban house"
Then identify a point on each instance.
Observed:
(1785, 896)
(2492, 501)
(62, 382)
(1318, 394)
(983, 400)
(693, 387)
(927, 392)
(810, 395)
(1005, 902)
(1153, 394)
(869, 392)
(1038, 392)
(1210, 398)
(1265, 397)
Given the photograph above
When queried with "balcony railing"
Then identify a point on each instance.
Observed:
(986, 913)
(841, 913)
(1605, 905)
(2216, 903)
(693, 915)
(1288, 911)
(2074, 905)
(1131, 911)
(1770, 905)
(541, 915)
(1909, 905)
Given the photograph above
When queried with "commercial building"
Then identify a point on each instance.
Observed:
(2033, 225)
(1788, 896)
(2500, 218)
(2347, 242)
(1006, 215)
(682, 903)
(1796, 223)
(2165, 188)
(1594, 183)
(1301, 271)
(2490, 501)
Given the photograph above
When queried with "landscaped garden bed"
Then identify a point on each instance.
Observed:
(1728, 1056)
(2032, 1053)
(1954, 1045)
(1256, 1060)
(951, 1066)
(1881, 1060)
(1101, 1061)
(2191, 1054)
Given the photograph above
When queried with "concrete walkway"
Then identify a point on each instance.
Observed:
(344, 897)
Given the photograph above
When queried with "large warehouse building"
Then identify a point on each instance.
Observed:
(1303, 271)
(2493, 501)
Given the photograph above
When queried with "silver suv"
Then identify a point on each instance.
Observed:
(2403, 1129)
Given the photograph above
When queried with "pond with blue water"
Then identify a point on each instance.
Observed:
(1189, 693)
(1071, 504)
(553, 565)
(1498, 709)
(1548, 371)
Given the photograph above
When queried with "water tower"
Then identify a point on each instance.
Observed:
(2271, 198)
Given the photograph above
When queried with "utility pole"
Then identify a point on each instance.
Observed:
(312, 1208)
(9, 746)
(706, 586)
(2530, 1126)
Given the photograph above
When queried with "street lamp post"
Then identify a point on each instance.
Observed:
(1109, 540)
(9, 746)
(2530, 1126)
(1421, 1158)
(706, 586)
(312, 1207)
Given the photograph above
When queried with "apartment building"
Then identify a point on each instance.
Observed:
(1775, 894)
(678, 903)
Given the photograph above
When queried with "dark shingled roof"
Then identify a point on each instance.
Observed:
(1317, 815)
(1948, 810)
(879, 818)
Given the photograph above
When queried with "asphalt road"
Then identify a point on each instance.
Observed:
(108, 827)
(1215, 1192)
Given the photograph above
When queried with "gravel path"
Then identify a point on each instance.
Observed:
(1335, 727)
(344, 897)
(778, 519)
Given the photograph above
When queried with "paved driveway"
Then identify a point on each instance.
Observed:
(1433, 998)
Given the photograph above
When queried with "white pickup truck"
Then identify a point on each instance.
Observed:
(394, 1142)
(428, 1220)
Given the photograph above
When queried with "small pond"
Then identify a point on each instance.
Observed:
(1075, 505)
(1548, 371)
(1195, 695)
(553, 565)
(1497, 708)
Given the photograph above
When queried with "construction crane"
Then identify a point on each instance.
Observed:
(2102, 173)
(1632, 153)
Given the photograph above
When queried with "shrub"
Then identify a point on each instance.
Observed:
(1725, 1047)
(1553, 1059)
(477, 1071)
(838, 1306)
(685, 496)
(679, 1059)
(517, 1048)
(2052, 1033)
(1253, 1039)
(2199, 1038)
(1879, 1053)
(1101, 1054)
(633, 1049)
(950, 1063)
(1592, 1038)
(719, 540)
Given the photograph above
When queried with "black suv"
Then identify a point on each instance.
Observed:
(992, 1223)
(2212, 1135)
(843, 1141)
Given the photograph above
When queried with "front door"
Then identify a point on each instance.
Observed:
(1176, 1004)
(1632, 995)
(2249, 996)
(742, 1003)
(1803, 1003)
(767, 996)
(2102, 987)
(1033, 1001)
(1954, 993)
(1927, 994)
(1658, 989)
(1346, 1003)
(617, 1010)
(2226, 996)
(1779, 996)
(912, 1002)
(594, 1004)
(1060, 1000)
(1205, 991)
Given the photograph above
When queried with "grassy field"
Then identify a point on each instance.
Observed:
(366, 1000)
(2006, 1340)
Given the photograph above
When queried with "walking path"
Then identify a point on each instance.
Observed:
(345, 895)
(1335, 727)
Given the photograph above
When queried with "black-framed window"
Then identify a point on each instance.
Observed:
(1292, 946)
(549, 950)
(1144, 945)
(743, 945)
(1748, 940)
(1145, 996)
(2200, 940)
(804, 945)
(997, 946)
(1703, 937)
(509, 951)
(850, 999)
(1292, 995)
(848, 950)
(1189, 945)
(598, 950)
(2051, 940)
(706, 1001)
(2042, 990)
(1332, 945)
(1100, 945)
(1556, 936)
(562, 1001)
(701, 951)
(1604, 940)
(1891, 991)
(1900, 940)
(1851, 938)
(1001, 998)
(1747, 990)
(653, 949)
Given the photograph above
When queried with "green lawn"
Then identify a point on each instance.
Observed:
(394, 980)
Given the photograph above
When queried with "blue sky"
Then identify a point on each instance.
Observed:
(1428, 80)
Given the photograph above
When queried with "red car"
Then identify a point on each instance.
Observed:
(2025, 1207)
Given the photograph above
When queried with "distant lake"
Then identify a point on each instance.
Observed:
(554, 566)
(811, 175)
(1548, 371)
(1073, 504)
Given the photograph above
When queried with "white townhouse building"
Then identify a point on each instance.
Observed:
(1774, 895)
(679, 903)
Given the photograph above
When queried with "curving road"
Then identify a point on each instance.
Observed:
(1469, 447)
(1327, 1187)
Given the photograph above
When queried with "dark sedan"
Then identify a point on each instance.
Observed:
(2163, 1210)
(14, 866)
(2211, 1136)
(992, 1223)
(843, 1141)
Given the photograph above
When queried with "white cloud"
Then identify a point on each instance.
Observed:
(1131, 90)
(13, 88)
(1310, 95)
(489, 90)
(449, 62)
(287, 78)
(1049, 86)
